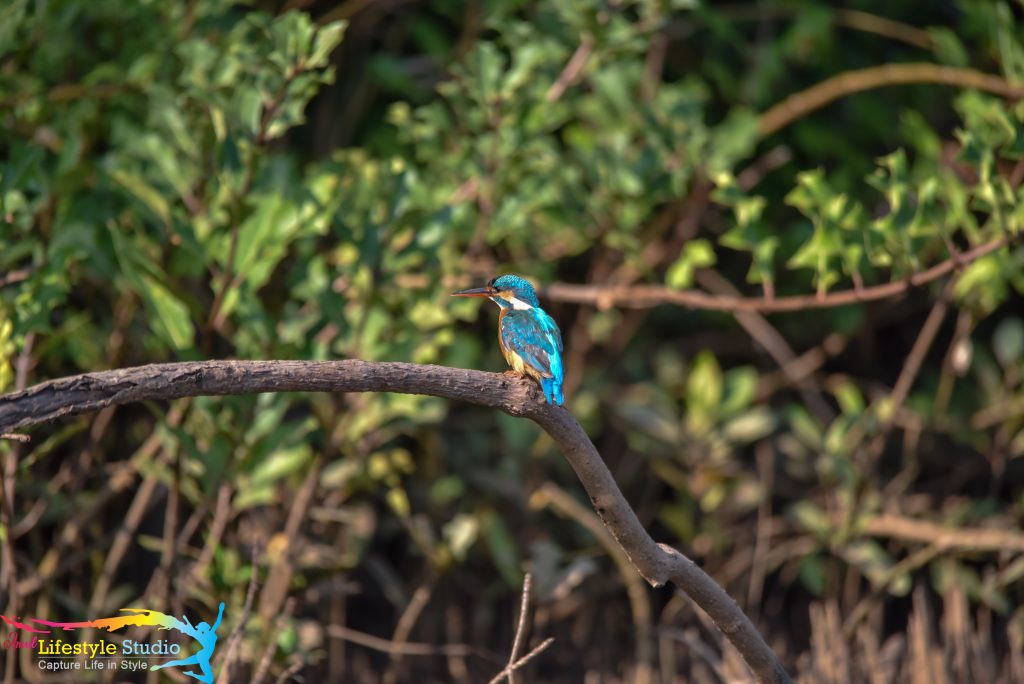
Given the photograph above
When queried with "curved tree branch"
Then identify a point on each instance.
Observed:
(800, 104)
(646, 296)
(658, 563)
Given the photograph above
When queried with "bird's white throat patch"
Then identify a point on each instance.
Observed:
(519, 304)
(514, 302)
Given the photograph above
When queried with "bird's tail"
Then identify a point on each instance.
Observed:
(552, 390)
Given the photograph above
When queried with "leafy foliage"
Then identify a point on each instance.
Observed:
(172, 187)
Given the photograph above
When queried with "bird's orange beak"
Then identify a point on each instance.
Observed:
(475, 292)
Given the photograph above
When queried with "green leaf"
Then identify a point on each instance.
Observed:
(740, 390)
(812, 519)
(947, 46)
(697, 253)
(850, 399)
(750, 232)
(750, 426)
(812, 574)
(982, 285)
(281, 463)
(704, 384)
(328, 37)
(875, 564)
(1008, 342)
(173, 321)
(398, 501)
(169, 316)
(461, 533)
(149, 196)
(837, 224)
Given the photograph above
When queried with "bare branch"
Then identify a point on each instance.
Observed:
(975, 539)
(646, 296)
(572, 70)
(235, 638)
(658, 563)
(405, 624)
(394, 648)
(507, 672)
(517, 643)
(853, 19)
(271, 648)
(820, 94)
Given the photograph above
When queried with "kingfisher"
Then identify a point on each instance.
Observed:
(529, 337)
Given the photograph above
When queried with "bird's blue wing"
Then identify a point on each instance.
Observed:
(551, 328)
(534, 336)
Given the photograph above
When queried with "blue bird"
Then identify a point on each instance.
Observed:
(529, 337)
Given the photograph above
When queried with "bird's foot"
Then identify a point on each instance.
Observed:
(512, 373)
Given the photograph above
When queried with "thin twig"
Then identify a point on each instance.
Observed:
(572, 69)
(908, 374)
(749, 177)
(880, 587)
(235, 638)
(883, 26)
(646, 296)
(801, 367)
(854, 19)
(292, 670)
(279, 574)
(702, 650)
(221, 515)
(388, 646)
(517, 643)
(894, 526)
(925, 338)
(271, 648)
(405, 625)
(507, 672)
(112, 487)
(122, 541)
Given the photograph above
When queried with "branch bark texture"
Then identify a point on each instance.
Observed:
(658, 563)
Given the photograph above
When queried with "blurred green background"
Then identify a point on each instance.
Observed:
(309, 179)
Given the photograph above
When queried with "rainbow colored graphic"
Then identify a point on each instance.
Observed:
(204, 633)
(136, 617)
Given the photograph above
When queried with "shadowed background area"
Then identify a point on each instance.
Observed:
(780, 239)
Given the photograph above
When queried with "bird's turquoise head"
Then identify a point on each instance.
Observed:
(507, 291)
